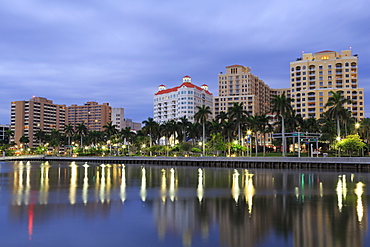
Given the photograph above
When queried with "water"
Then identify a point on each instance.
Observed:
(76, 204)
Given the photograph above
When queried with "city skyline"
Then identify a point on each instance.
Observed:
(72, 52)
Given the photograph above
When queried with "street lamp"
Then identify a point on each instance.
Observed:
(249, 133)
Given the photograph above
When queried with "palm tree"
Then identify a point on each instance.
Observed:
(237, 113)
(24, 140)
(281, 105)
(336, 110)
(40, 135)
(81, 130)
(264, 128)
(69, 131)
(201, 116)
(9, 134)
(222, 116)
(183, 124)
(110, 129)
(150, 125)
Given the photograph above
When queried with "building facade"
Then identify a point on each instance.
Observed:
(174, 103)
(118, 119)
(239, 85)
(93, 115)
(313, 76)
(27, 117)
(3, 129)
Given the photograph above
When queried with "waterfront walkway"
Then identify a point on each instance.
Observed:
(326, 163)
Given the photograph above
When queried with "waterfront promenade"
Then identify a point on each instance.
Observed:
(326, 163)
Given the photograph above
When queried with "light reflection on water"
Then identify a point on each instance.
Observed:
(174, 206)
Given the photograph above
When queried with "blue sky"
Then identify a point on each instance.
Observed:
(74, 51)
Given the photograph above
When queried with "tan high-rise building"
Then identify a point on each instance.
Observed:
(239, 85)
(93, 115)
(27, 117)
(313, 76)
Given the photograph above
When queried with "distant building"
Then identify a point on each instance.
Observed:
(27, 117)
(3, 129)
(313, 76)
(93, 115)
(118, 119)
(174, 103)
(239, 85)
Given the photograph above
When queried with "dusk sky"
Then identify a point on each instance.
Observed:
(75, 51)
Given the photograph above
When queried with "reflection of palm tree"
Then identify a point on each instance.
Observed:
(81, 130)
(281, 105)
(201, 116)
(336, 109)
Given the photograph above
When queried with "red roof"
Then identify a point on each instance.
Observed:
(186, 76)
(161, 85)
(186, 84)
(235, 65)
(325, 51)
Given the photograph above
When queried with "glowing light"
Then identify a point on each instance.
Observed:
(123, 184)
(249, 190)
(143, 185)
(235, 190)
(163, 185)
(85, 187)
(172, 190)
(360, 207)
(200, 189)
(73, 183)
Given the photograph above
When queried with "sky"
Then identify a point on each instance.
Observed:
(119, 52)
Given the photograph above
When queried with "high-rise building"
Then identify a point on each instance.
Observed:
(3, 129)
(239, 85)
(174, 103)
(118, 119)
(93, 115)
(27, 117)
(313, 76)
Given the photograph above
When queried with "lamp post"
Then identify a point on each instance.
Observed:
(249, 132)
(338, 139)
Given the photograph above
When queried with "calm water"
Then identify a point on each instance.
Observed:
(76, 204)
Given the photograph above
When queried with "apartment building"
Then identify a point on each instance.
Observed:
(118, 119)
(93, 115)
(239, 85)
(27, 117)
(3, 129)
(174, 103)
(313, 76)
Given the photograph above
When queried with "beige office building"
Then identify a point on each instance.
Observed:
(313, 76)
(239, 85)
(27, 117)
(93, 115)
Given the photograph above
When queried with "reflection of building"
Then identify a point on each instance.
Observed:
(177, 102)
(27, 117)
(93, 115)
(313, 76)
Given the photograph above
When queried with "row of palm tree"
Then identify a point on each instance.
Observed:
(231, 125)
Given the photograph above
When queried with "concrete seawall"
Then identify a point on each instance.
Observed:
(332, 163)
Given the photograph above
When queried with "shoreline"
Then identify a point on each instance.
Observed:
(325, 163)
